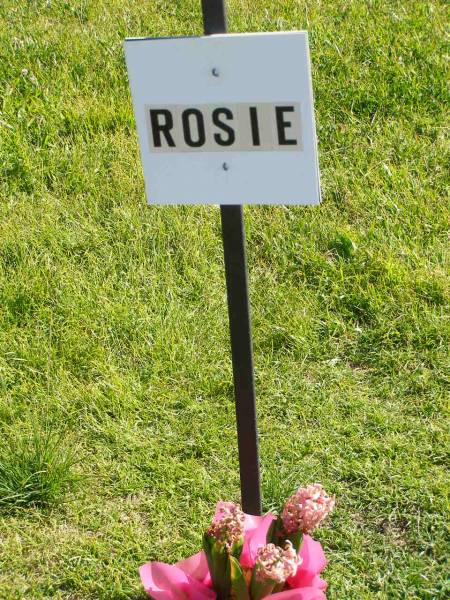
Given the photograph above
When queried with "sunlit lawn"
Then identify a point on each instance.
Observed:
(116, 405)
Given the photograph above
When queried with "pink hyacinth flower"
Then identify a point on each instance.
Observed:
(306, 509)
(189, 579)
(255, 535)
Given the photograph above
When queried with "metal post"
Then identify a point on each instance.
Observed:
(241, 350)
(214, 18)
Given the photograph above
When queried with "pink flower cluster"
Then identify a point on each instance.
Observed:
(305, 509)
(257, 567)
(228, 526)
(276, 564)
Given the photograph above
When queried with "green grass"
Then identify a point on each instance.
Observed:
(113, 323)
(36, 468)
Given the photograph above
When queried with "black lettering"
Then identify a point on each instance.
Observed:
(164, 128)
(190, 141)
(282, 125)
(226, 112)
(254, 125)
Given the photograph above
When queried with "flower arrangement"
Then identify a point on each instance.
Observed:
(246, 557)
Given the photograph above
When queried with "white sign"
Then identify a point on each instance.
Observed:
(225, 119)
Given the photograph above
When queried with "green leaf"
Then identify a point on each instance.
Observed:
(296, 539)
(275, 532)
(207, 547)
(218, 564)
(260, 589)
(236, 549)
(277, 535)
(238, 584)
(271, 532)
